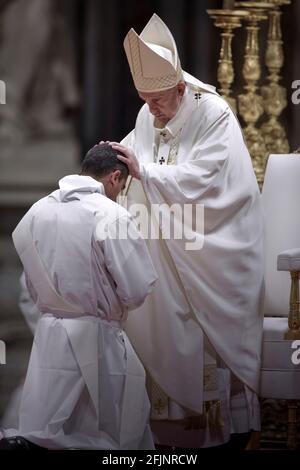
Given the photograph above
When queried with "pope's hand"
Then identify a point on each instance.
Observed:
(102, 142)
(129, 158)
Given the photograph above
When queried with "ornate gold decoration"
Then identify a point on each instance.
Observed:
(173, 151)
(279, 423)
(227, 21)
(274, 95)
(159, 401)
(159, 406)
(211, 410)
(250, 103)
(294, 314)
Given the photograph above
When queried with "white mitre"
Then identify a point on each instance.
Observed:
(153, 57)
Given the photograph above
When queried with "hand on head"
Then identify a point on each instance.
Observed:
(127, 157)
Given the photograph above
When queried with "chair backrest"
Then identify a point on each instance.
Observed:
(281, 205)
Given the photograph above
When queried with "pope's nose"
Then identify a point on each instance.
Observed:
(153, 108)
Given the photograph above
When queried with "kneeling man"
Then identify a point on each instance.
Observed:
(86, 265)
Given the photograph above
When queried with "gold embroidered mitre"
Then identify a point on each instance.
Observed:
(153, 57)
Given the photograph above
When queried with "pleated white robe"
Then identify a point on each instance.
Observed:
(212, 293)
(85, 386)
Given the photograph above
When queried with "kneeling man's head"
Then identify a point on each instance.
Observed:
(102, 164)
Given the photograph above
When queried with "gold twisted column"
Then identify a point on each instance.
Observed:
(294, 314)
(227, 21)
(250, 103)
(292, 334)
(274, 95)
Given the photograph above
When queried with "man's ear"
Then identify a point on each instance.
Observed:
(115, 176)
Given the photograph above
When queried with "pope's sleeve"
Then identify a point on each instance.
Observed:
(128, 262)
(188, 182)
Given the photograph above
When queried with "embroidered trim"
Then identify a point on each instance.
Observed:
(159, 402)
(171, 160)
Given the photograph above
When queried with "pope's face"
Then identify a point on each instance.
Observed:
(164, 104)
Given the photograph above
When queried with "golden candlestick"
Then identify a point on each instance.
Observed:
(274, 95)
(250, 103)
(227, 21)
(228, 4)
(294, 314)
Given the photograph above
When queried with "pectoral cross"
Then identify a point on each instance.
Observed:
(162, 160)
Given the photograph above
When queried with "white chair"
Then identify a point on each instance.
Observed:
(280, 377)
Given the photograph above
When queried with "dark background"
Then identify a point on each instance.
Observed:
(109, 99)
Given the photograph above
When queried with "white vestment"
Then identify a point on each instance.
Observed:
(204, 315)
(10, 417)
(85, 386)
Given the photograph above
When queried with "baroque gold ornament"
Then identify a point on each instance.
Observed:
(250, 103)
(274, 95)
(227, 21)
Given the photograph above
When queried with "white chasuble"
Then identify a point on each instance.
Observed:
(209, 292)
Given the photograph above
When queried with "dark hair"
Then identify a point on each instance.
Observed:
(101, 160)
